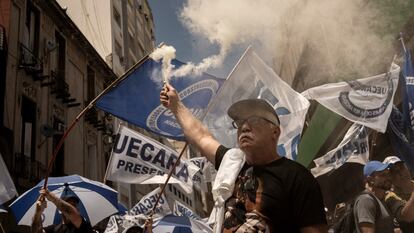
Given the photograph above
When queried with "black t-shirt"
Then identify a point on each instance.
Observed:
(85, 227)
(283, 191)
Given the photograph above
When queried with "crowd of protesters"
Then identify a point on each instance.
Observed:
(387, 203)
(271, 193)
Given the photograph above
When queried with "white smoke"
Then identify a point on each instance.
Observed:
(166, 54)
(339, 34)
(340, 31)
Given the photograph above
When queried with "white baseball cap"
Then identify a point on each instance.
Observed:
(392, 160)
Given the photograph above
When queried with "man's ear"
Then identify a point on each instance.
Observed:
(276, 132)
(369, 180)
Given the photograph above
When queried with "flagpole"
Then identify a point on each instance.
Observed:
(402, 42)
(168, 178)
(90, 105)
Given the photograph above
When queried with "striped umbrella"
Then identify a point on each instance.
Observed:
(180, 224)
(97, 200)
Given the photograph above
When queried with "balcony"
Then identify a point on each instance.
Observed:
(60, 88)
(30, 63)
(27, 172)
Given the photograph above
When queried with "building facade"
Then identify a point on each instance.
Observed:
(49, 73)
(121, 31)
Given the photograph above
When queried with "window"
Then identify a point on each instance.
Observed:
(169, 187)
(117, 17)
(118, 49)
(175, 191)
(91, 83)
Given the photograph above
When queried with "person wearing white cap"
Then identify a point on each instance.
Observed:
(371, 215)
(271, 193)
(400, 202)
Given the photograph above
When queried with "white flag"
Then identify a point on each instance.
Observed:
(252, 78)
(365, 101)
(146, 204)
(7, 188)
(353, 148)
(136, 158)
(182, 210)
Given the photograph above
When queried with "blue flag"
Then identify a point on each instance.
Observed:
(399, 141)
(407, 82)
(136, 99)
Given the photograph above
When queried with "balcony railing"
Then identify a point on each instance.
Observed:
(29, 61)
(28, 171)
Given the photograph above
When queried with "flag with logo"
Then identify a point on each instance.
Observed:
(407, 81)
(182, 210)
(136, 98)
(365, 101)
(7, 188)
(353, 148)
(146, 204)
(252, 78)
(136, 158)
(399, 141)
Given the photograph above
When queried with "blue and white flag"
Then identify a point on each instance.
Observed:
(366, 101)
(136, 158)
(7, 188)
(136, 99)
(407, 81)
(252, 78)
(399, 141)
(147, 202)
(182, 210)
(353, 148)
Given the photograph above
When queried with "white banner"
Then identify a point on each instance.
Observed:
(146, 204)
(182, 210)
(353, 148)
(120, 224)
(136, 158)
(365, 101)
(7, 188)
(204, 175)
(252, 78)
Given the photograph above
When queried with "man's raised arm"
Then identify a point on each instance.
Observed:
(196, 133)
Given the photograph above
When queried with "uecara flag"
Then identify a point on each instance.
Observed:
(182, 210)
(7, 188)
(353, 148)
(136, 99)
(147, 203)
(252, 78)
(136, 158)
(365, 101)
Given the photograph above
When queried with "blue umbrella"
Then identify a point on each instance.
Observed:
(97, 200)
(122, 210)
(180, 224)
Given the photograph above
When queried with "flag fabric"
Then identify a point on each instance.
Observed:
(182, 210)
(354, 148)
(146, 204)
(7, 188)
(136, 158)
(121, 224)
(252, 78)
(407, 84)
(136, 98)
(204, 174)
(399, 141)
(365, 101)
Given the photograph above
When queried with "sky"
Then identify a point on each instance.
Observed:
(189, 47)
